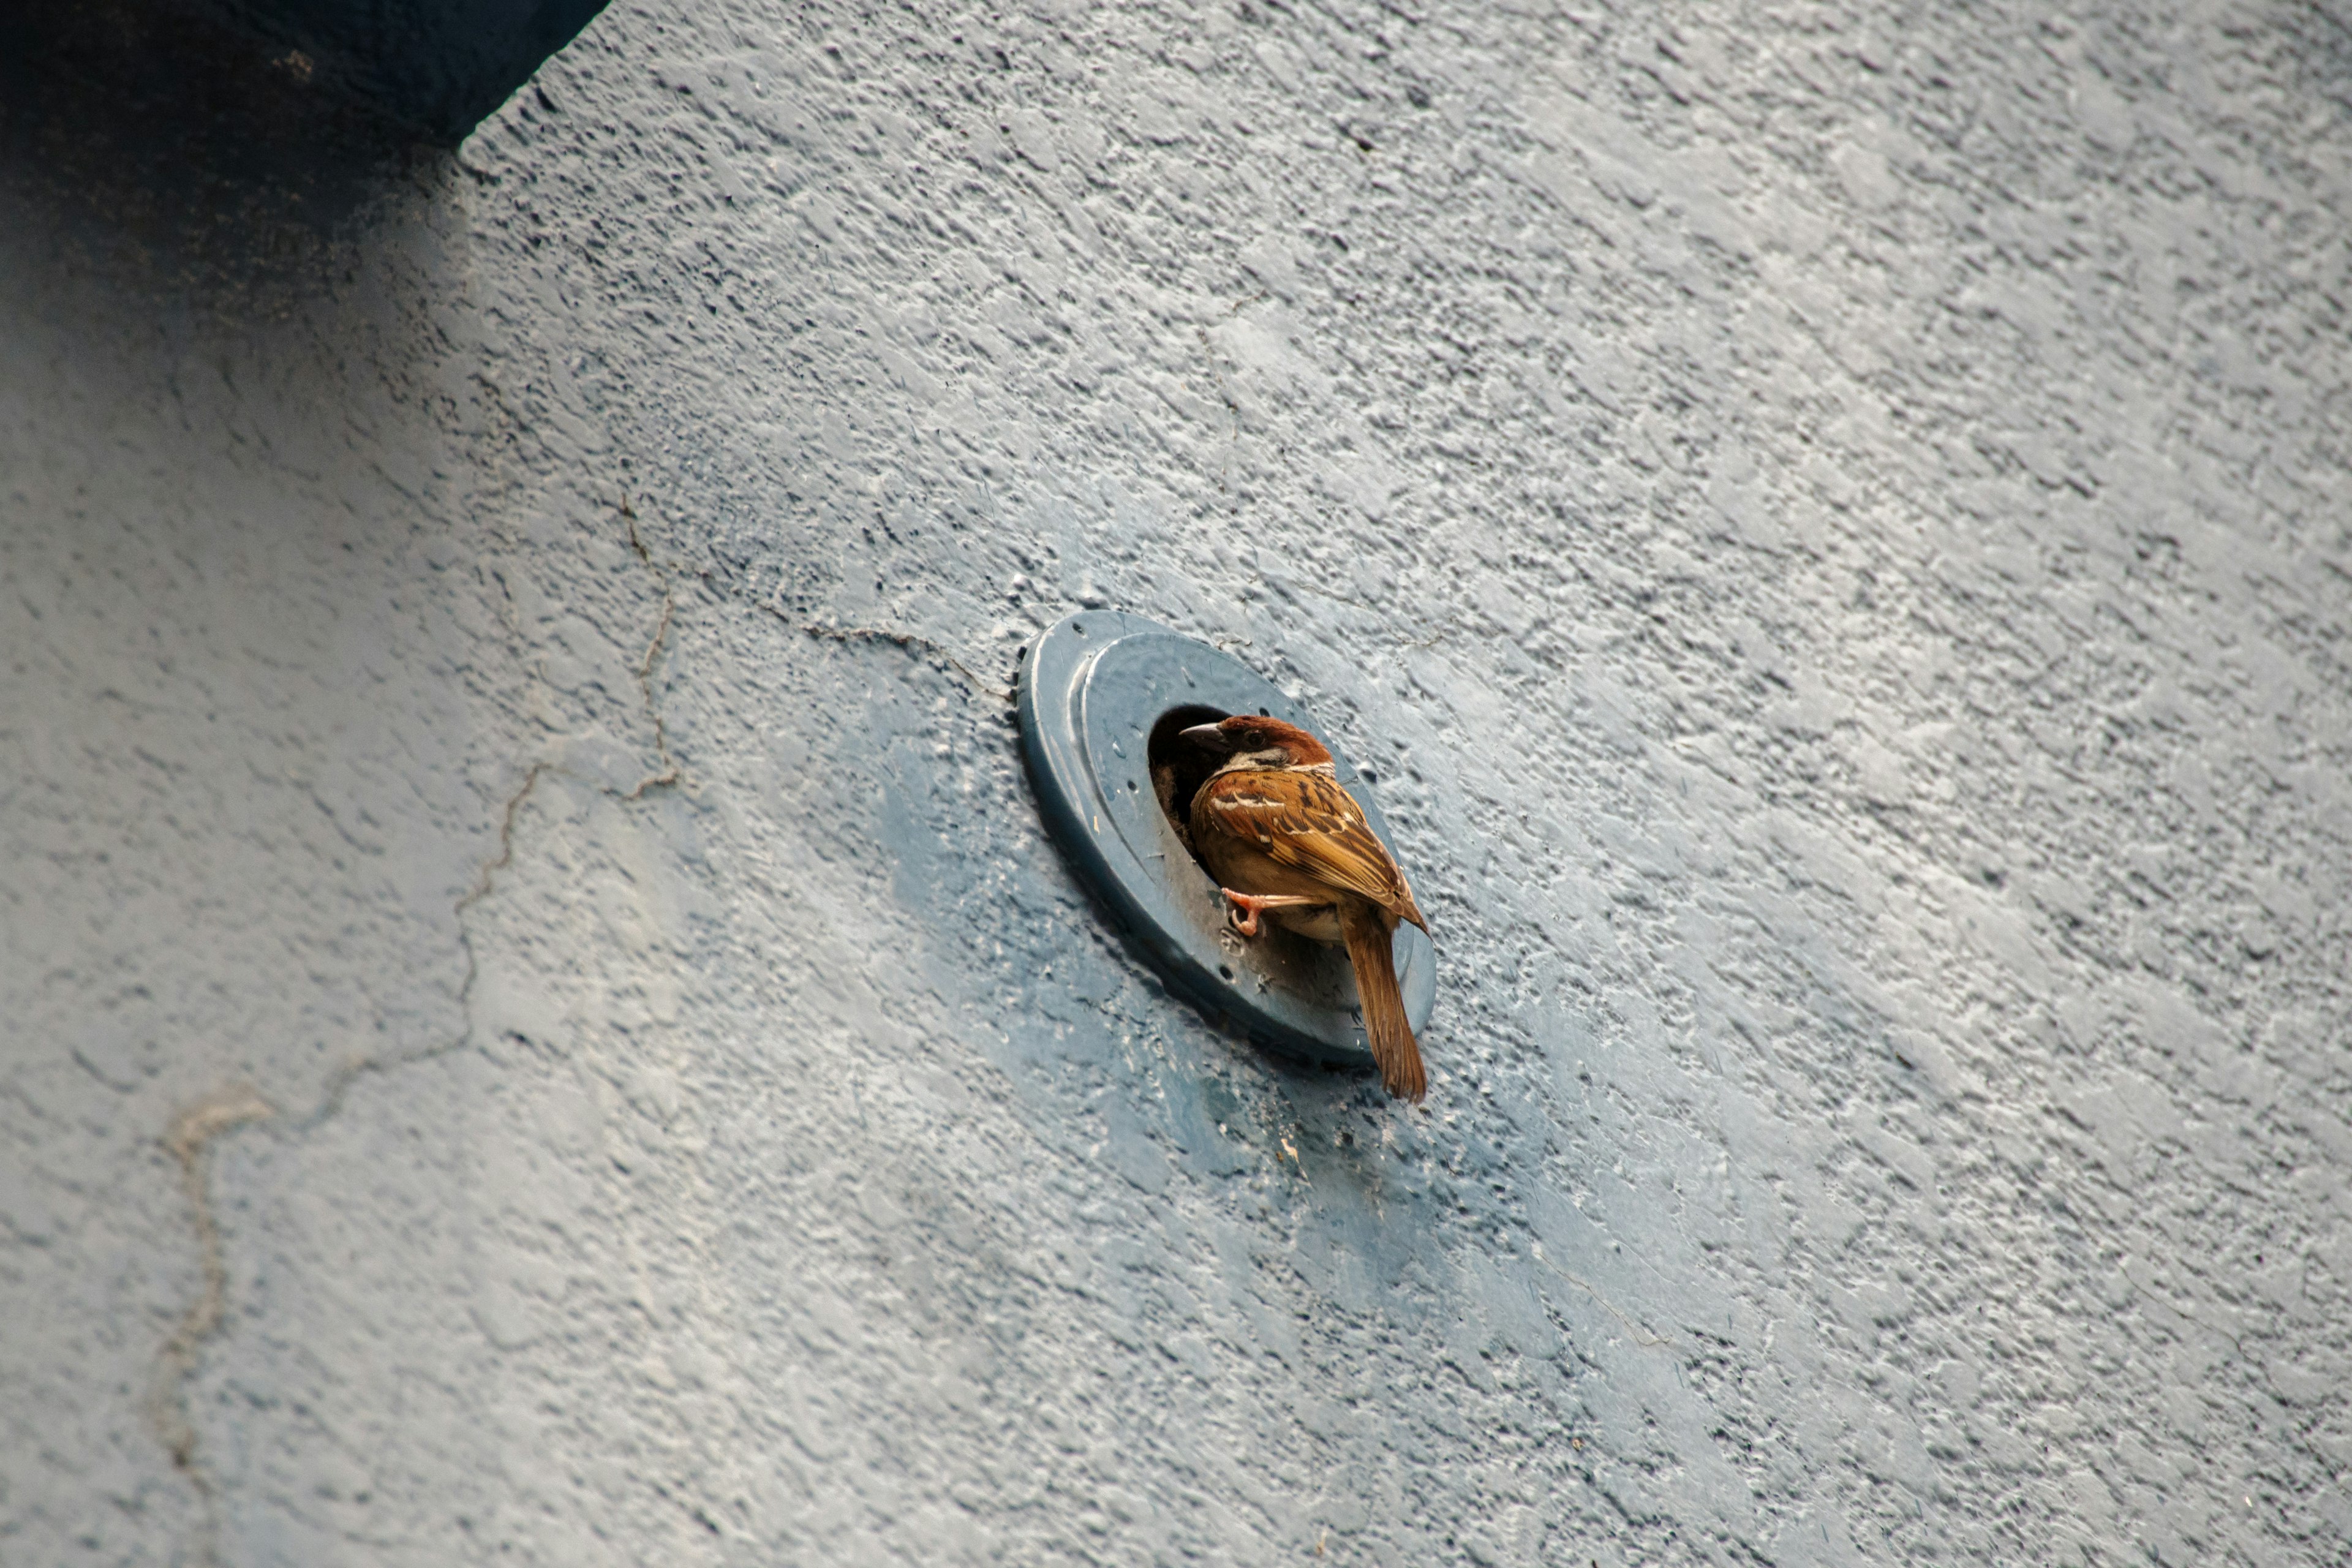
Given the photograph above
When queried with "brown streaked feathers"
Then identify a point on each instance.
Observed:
(1306, 820)
(1285, 839)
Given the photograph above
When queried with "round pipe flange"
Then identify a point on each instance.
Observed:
(1101, 697)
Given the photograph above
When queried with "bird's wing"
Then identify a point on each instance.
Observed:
(1306, 820)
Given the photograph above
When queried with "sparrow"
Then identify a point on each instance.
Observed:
(1284, 840)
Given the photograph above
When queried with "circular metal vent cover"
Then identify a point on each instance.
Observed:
(1101, 696)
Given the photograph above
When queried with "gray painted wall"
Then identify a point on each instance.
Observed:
(1829, 520)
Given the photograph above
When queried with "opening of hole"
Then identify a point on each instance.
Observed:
(1179, 769)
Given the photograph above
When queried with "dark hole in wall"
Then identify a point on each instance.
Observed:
(1179, 769)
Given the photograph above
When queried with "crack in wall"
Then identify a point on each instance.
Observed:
(910, 641)
(490, 868)
(193, 1133)
(190, 1141)
(1641, 1336)
(1226, 391)
(667, 774)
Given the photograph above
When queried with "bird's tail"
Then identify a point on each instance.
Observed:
(1371, 949)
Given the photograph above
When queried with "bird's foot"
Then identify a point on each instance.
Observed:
(1248, 907)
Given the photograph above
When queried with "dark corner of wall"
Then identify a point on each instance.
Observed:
(235, 132)
(436, 68)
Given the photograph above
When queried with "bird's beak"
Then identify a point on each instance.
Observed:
(1209, 738)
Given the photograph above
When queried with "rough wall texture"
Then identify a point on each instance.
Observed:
(1829, 519)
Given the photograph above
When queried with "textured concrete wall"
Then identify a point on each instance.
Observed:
(1831, 522)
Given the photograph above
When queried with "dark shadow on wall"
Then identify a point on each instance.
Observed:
(135, 138)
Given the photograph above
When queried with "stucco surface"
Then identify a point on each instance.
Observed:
(1827, 520)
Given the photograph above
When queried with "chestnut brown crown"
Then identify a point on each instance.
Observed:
(1263, 741)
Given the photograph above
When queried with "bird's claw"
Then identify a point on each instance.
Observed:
(1244, 913)
(1248, 907)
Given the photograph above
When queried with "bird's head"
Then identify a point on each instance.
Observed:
(1254, 741)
